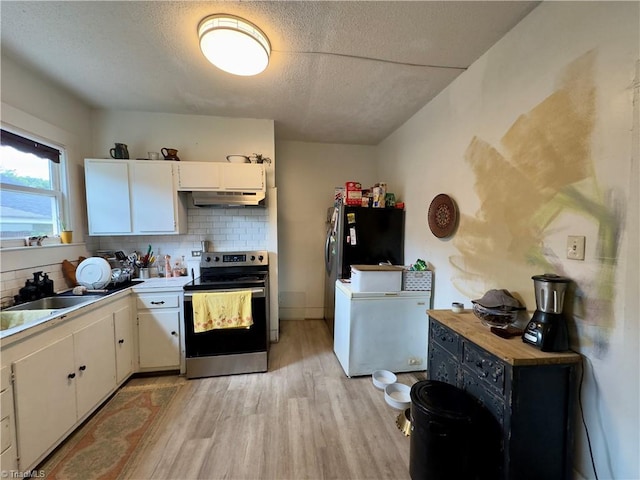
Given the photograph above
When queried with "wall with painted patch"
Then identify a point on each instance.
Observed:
(539, 140)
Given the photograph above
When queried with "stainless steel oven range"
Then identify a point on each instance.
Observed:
(229, 351)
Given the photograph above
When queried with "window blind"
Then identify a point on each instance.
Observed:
(29, 146)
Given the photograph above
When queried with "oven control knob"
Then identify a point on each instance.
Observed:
(208, 259)
(253, 258)
(260, 257)
(216, 259)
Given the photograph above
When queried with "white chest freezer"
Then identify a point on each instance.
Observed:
(380, 330)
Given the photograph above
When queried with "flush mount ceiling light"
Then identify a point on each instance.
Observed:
(234, 45)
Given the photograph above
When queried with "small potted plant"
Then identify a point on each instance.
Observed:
(66, 235)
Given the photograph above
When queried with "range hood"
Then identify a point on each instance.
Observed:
(228, 199)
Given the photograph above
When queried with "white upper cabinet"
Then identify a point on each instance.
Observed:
(153, 198)
(199, 176)
(195, 176)
(129, 197)
(108, 199)
(243, 176)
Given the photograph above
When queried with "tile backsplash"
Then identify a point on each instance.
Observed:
(226, 229)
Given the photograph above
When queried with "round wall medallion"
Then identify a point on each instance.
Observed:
(442, 216)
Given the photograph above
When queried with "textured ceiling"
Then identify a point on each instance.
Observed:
(144, 56)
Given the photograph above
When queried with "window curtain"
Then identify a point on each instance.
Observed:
(30, 146)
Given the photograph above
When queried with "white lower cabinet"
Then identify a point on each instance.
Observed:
(8, 448)
(95, 365)
(62, 374)
(159, 330)
(124, 343)
(45, 393)
(59, 384)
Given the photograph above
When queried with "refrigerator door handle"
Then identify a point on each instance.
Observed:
(327, 253)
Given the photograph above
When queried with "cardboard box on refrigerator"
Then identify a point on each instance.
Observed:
(353, 193)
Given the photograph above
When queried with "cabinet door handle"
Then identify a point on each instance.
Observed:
(158, 303)
(174, 333)
(71, 376)
(82, 368)
(121, 341)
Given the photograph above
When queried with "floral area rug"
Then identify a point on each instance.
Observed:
(109, 442)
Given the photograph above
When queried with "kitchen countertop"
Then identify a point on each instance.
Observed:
(35, 322)
(511, 350)
(161, 282)
(49, 318)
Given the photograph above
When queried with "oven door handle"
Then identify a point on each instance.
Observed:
(255, 292)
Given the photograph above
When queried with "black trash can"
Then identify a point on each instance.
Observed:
(448, 434)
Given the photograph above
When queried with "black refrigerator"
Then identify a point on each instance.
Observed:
(359, 236)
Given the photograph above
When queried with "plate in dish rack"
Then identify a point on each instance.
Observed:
(442, 216)
(93, 273)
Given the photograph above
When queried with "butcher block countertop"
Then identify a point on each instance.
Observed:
(511, 350)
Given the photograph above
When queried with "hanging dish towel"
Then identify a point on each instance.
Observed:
(221, 310)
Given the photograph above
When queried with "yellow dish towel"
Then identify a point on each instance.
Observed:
(221, 310)
(15, 318)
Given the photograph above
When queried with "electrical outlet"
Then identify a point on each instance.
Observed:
(414, 361)
(575, 247)
(196, 253)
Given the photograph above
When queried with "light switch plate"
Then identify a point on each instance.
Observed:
(575, 247)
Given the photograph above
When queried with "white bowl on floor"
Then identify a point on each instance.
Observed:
(382, 378)
(398, 395)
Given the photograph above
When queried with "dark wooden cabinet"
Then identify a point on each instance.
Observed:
(531, 394)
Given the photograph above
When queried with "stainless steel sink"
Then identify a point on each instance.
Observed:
(55, 303)
(36, 311)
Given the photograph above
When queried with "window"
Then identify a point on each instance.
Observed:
(31, 195)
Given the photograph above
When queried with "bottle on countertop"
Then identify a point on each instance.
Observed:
(38, 281)
(179, 268)
(47, 286)
(28, 292)
(167, 266)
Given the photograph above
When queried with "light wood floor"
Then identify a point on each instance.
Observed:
(303, 419)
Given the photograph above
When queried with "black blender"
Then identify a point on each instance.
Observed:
(547, 329)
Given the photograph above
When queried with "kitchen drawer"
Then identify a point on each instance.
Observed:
(5, 379)
(6, 410)
(9, 462)
(442, 365)
(5, 434)
(487, 368)
(8, 454)
(149, 302)
(477, 388)
(444, 337)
